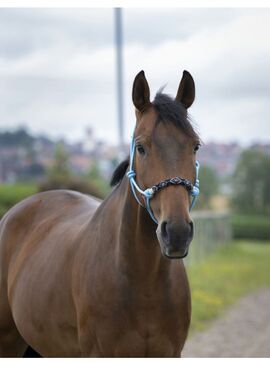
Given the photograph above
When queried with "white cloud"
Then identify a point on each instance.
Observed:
(68, 81)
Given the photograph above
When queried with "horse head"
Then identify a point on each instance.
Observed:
(163, 171)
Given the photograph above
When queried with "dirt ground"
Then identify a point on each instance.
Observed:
(243, 331)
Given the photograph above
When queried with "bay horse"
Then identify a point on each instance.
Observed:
(80, 277)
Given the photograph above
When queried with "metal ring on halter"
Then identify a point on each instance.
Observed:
(149, 193)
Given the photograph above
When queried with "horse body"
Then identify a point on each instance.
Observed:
(116, 317)
(81, 277)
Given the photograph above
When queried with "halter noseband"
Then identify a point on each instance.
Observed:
(149, 193)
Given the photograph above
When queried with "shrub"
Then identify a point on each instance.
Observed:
(251, 227)
(209, 186)
(72, 183)
(12, 194)
(250, 182)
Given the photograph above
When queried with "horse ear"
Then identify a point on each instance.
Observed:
(140, 92)
(186, 90)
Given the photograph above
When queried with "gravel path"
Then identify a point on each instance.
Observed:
(243, 331)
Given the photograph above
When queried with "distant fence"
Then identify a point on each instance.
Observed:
(211, 230)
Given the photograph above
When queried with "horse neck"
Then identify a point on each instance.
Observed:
(137, 249)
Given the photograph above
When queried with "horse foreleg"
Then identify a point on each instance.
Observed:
(31, 353)
(11, 342)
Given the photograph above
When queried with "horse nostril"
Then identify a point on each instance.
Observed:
(176, 234)
(163, 229)
(191, 232)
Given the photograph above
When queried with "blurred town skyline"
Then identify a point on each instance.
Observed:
(26, 156)
(58, 73)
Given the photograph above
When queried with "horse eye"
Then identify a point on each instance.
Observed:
(196, 148)
(140, 149)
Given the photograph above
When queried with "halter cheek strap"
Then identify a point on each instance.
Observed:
(149, 193)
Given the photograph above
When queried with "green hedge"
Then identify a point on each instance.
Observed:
(251, 227)
(72, 183)
(11, 194)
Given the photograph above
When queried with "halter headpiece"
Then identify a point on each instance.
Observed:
(149, 193)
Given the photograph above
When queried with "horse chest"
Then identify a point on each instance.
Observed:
(135, 318)
(141, 328)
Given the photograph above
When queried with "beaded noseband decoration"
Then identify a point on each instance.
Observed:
(149, 193)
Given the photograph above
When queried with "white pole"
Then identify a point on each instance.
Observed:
(119, 73)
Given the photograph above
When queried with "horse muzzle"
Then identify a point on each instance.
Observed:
(174, 238)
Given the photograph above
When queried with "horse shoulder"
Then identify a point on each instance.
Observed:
(34, 217)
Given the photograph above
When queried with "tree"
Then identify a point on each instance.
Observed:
(60, 176)
(95, 178)
(209, 186)
(251, 183)
(60, 167)
(18, 138)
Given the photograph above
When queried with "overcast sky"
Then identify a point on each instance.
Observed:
(57, 68)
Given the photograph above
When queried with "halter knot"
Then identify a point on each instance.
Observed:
(195, 191)
(130, 174)
(149, 193)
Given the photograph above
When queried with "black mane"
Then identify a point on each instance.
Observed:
(169, 111)
(119, 172)
(172, 111)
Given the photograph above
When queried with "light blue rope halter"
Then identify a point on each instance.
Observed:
(149, 193)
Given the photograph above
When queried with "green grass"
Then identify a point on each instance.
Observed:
(11, 194)
(225, 276)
